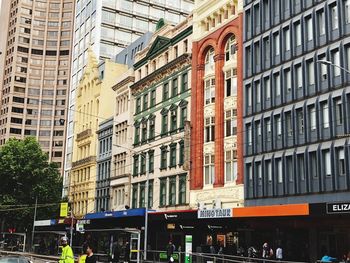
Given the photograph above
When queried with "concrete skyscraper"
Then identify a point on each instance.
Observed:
(108, 26)
(34, 71)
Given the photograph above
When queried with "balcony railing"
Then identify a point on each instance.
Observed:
(84, 134)
(86, 160)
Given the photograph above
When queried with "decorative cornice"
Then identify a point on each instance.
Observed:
(87, 160)
(123, 82)
(157, 75)
(84, 134)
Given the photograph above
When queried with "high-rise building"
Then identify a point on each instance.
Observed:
(216, 152)
(35, 67)
(108, 26)
(296, 120)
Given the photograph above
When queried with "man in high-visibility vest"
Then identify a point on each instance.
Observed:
(67, 252)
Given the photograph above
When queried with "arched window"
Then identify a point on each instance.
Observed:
(209, 62)
(230, 49)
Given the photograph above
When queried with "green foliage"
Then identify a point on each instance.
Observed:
(25, 174)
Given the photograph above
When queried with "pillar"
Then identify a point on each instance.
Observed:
(219, 121)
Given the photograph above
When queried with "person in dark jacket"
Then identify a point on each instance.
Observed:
(170, 250)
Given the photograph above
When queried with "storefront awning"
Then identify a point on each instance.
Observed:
(116, 214)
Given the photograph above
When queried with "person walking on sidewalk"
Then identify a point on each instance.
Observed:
(279, 253)
(67, 252)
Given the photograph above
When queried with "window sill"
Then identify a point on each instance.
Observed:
(162, 168)
(172, 166)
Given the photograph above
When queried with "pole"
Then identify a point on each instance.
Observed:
(71, 226)
(35, 208)
(146, 211)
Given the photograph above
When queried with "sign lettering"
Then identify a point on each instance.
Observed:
(338, 208)
(215, 213)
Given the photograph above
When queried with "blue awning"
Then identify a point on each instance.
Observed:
(116, 214)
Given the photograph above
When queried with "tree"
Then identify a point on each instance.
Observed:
(25, 173)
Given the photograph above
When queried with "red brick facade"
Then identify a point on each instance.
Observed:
(216, 40)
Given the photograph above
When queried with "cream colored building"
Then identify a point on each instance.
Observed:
(161, 106)
(122, 143)
(94, 105)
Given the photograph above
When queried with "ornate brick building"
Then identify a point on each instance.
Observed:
(217, 139)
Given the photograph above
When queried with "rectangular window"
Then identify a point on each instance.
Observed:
(258, 172)
(301, 165)
(150, 194)
(279, 126)
(172, 191)
(143, 163)
(340, 161)
(289, 125)
(162, 192)
(249, 134)
(183, 117)
(137, 134)
(309, 29)
(276, 41)
(163, 158)
(136, 165)
(287, 39)
(258, 92)
(184, 79)
(267, 87)
(142, 195)
(182, 189)
(321, 23)
(336, 61)
(310, 72)
(249, 95)
(300, 117)
(298, 34)
(347, 11)
(134, 195)
(209, 129)
(172, 155)
(166, 91)
(312, 111)
(338, 112)
(279, 171)
(334, 14)
(269, 171)
(299, 76)
(152, 129)
(175, 87)
(151, 161)
(164, 123)
(153, 98)
(313, 164)
(230, 165)
(145, 102)
(173, 120)
(209, 91)
(277, 84)
(288, 81)
(209, 169)
(138, 105)
(325, 115)
(327, 162)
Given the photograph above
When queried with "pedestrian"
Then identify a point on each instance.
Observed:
(170, 250)
(279, 253)
(267, 251)
(127, 252)
(67, 255)
(115, 252)
(82, 257)
(91, 258)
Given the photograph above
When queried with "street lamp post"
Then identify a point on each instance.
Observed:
(329, 63)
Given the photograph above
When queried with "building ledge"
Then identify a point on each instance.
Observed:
(84, 134)
(87, 160)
